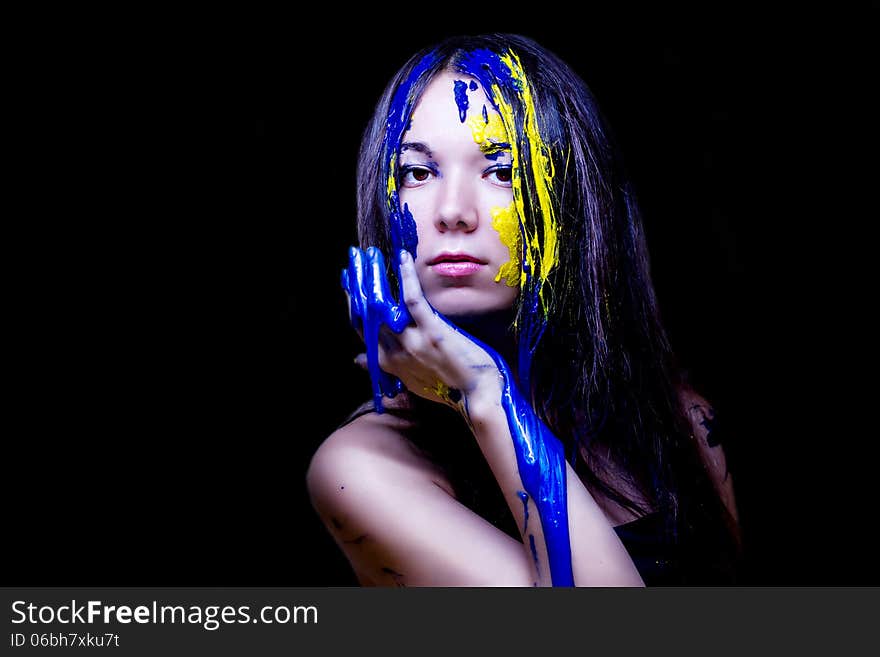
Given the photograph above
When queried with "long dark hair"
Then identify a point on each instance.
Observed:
(603, 375)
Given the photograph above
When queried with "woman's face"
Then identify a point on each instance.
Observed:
(455, 177)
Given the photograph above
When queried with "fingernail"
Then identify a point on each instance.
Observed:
(404, 256)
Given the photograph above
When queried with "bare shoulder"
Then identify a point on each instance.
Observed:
(372, 447)
(393, 513)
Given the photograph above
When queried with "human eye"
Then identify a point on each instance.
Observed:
(414, 175)
(501, 175)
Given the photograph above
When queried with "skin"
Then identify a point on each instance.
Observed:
(452, 190)
(390, 510)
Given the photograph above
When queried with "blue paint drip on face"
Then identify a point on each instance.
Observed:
(369, 311)
(473, 86)
(461, 99)
(401, 224)
(403, 230)
(500, 153)
(524, 498)
(488, 69)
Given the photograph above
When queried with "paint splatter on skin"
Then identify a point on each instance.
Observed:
(534, 554)
(712, 437)
(397, 577)
(524, 498)
(714, 433)
(490, 134)
(494, 72)
(461, 99)
(449, 395)
(357, 541)
(506, 223)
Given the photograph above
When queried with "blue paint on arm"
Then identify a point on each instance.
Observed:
(540, 459)
(524, 498)
(539, 454)
(534, 554)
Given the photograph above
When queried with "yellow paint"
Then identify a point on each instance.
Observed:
(488, 135)
(441, 390)
(506, 222)
(541, 254)
(392, 169)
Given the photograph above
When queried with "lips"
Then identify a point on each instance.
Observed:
(456, 264)
(455, 257)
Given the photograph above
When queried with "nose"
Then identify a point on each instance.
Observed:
(457, 209)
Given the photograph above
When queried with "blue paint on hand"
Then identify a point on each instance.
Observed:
(371, 306)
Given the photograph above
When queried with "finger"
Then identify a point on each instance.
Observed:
(379, 290)
(355, 283)
(413, 296)
(392, 314)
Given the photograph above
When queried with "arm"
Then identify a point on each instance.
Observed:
(565, 530)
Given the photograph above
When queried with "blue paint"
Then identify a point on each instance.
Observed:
(539, 454)
(487, 67)
(371, 306)
(403, 230)
(540, 459)
(485, 115)
(503, 149)
(524, 498)
(534, 554)
(368, 313)
(473, 86)
(401, 224)
(461, 99)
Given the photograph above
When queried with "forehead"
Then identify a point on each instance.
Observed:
(446, 97)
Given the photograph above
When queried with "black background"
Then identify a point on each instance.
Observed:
(183, 337)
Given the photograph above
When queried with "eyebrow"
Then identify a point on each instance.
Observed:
(418, 146)
(489, 149)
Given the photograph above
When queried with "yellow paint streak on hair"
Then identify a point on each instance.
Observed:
(506, 222)
(541, 254)
(392, 183)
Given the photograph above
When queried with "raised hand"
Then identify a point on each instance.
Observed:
(371, 305)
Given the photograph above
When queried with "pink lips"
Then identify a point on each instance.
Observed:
(463, 268)
(456, 264)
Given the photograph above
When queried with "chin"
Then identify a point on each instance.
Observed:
(468, 302)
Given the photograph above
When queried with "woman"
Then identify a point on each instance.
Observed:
(529, 425)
